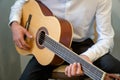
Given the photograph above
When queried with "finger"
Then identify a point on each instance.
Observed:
(79, 69)
(114, 76)
(74, 69)
(69, 70)
(28, 34)
(66, 70)
(18, 43)
(24, 45)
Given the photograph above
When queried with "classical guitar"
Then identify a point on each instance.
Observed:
(52, 39)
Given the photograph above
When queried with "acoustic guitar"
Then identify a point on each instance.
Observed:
(52, 39)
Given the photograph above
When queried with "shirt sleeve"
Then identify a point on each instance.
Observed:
(16, 9)
(105, 31)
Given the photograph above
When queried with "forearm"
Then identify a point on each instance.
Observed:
(99, 49)
(105, 31)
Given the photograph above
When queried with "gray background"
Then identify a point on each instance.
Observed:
(12, 64)
(9, 59)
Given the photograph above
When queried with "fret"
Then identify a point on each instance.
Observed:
(69, 56)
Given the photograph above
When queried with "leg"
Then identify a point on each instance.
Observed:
(108, 63)
(35, 71)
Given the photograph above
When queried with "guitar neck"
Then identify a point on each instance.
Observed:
(69, 56)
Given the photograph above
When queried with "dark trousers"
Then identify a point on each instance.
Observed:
(35, 71)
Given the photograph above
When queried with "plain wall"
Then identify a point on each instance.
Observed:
(116, 26)
(9, 59)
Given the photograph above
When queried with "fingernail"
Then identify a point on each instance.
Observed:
(31, 36)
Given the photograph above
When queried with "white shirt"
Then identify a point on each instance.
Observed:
(81, 14)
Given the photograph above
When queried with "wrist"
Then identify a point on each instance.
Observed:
(85, 58)
(13, 23)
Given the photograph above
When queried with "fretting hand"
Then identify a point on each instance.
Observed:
(75, 69)
(111, 77)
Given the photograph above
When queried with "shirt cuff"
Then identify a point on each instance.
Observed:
(92, 56)
(15, 18)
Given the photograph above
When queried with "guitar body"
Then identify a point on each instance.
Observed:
(43, 20)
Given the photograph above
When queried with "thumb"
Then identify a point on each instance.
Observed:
(28, 34)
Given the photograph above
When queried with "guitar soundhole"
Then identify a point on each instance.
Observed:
(40, 38)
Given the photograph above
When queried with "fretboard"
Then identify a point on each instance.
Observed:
(69, 56)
